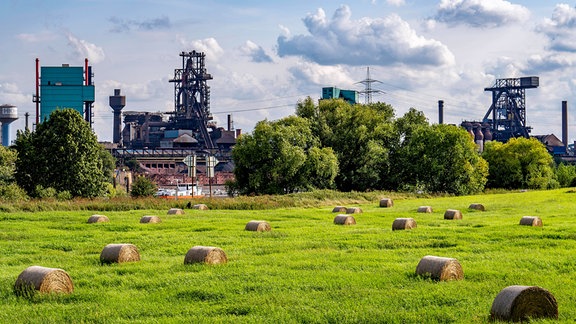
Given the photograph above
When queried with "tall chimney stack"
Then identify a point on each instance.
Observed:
(117, 102)
(440, 111)
(565, 125)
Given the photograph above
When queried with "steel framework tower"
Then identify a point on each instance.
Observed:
(192, 97)
(368, 90)
(507, 114)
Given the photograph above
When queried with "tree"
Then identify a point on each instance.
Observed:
(143, 187)
(9, 190)
(566, 175)
(442, 158)
(281, 157)
(519, 163)
(63, 153)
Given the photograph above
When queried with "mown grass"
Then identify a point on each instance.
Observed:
(306, 270)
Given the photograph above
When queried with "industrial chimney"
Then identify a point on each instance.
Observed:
(440, 111)
(8, 114)
(565, 125)
(117, 102)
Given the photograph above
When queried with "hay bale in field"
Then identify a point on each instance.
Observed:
(354, 210)
(339, 209)
(531, 221)
(403, 224)
(425, 209)
(175, 211)
(453, 214)
(439, 268)
(342, 219)
(258, 226)
(98, 219)
(119, 253)
(521, 303)
(200, 207)
(150, 219)
(479, 207)
(205, 254)
(386, 202)
(43, 280)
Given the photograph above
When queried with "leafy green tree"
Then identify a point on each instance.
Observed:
(9, 190)
(281, 157)
(519, 163)
(566, 175)
(63, 153)
(442, 158)
(143, 187)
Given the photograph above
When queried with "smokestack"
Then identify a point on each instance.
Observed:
(440, 111)
(117, 102)
(229, 122)
(565, 125)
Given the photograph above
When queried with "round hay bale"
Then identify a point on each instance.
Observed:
(339, 209)
(354, 210)
(386, 202)
(521, 303)
(439, 268)
(531, 221)
(344, 220)
(258, 226)
(98, 219)
(175, 211)
(150, 219)
(403, 224)
(200, 207)
(43, 280)
(479, 207)
(453, 214)
(205, 254)
(119, 253)
(425, 209)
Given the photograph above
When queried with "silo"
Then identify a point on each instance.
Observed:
(8, 114)
(479, 137)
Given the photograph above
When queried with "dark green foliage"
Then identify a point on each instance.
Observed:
(442, 158)
(63, 153)
(566, 175)
(281, 157)
(143, 187)
(9, 190)
(519, 163)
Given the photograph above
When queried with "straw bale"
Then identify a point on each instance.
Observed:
(200, 207)
(521, 303)
(205, 254)
(531, 221)
(43, 280)
(175, 211)
(403, 224)
(119, 253)
(98, 219)
(479, 207)
(453, 214)
(339, 209)
(354, 210)
(342, 219)
(386, 202)
(150, 219)
(424, 209)
(439, 268)
(258, 226)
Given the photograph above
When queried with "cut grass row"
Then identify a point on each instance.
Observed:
(305, 270)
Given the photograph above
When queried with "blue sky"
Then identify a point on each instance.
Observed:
(266, 55)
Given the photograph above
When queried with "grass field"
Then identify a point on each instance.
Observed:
(306, 270)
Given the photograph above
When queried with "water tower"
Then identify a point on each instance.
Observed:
(8, 114)
(117, 102)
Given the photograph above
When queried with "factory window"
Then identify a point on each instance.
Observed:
(154, 166)
(148, 165)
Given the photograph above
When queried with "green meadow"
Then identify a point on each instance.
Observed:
(306, 270)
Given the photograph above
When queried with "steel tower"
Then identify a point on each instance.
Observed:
(192, 97)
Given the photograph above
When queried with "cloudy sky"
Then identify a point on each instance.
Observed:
(266, 55)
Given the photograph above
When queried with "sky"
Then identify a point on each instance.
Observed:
(265, 56)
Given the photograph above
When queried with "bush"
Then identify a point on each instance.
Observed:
(143, 187)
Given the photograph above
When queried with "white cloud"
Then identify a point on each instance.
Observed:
(560, 28)
(209, 46)
(43, 36)
(255, 52)
(481, 13)
(367, 41)
(320, 75)
(396, 3)
(95, 54)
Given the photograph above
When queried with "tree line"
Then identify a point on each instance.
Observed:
(325, 145)
(332, 144)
